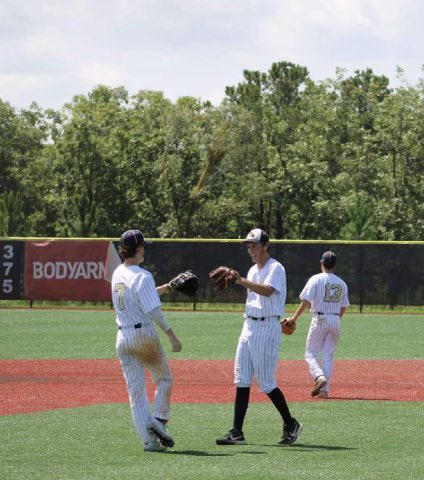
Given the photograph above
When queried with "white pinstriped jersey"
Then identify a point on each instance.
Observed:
(326, 292)
(134, 295)
(272, 273)
(259, 342)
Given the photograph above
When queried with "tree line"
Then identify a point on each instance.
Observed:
(337, 159)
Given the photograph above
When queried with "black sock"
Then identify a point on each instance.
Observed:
(280, 404)
(240, 407)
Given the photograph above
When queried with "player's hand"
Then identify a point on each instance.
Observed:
(174, 341)
(288, 326)
(176, 345)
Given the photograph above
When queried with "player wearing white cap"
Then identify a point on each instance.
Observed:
(259, 343)
(326, 295)
(137, 306)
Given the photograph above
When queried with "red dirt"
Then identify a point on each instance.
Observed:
(36, 385)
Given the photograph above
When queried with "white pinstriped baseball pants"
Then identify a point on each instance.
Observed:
(257, 354)
(323, 338)
(137, 350)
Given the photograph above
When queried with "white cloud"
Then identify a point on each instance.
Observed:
(96, 72)
(51, 50)
(323, 35)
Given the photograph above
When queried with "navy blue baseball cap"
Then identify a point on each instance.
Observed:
(329, 260)
(133, 238)
(257, 236)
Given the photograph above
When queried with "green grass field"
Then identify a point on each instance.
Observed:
(205, 335)
(342, 440)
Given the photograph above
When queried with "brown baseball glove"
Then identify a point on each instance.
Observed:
(223, 277)
(287, 326)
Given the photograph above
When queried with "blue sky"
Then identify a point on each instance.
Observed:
(51, 50)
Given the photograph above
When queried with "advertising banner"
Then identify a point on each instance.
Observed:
(69, 270)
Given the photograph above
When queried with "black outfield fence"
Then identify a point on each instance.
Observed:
(377, 273)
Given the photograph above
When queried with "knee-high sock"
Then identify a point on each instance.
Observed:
(280, 404)
(240, 406)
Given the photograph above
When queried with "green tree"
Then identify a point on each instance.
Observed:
(86, 221)
(22, 139)
(11, 214)
(357, 99)
(139, 171)
(312, 206)
(399, 143)
(271, 100)
(192, 153)
(340, 158)
(361, 223)
(87, 161)
(10, 135)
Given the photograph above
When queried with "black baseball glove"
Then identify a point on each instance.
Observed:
(185, 282)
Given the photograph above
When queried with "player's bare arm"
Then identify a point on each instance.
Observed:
(259, 288)
(161, 289)
(304, 304)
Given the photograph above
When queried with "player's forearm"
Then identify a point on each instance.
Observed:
(260, 289)
(304, 304)
(161, 289)
(342, 311)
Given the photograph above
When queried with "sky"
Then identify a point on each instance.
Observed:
(52, 50)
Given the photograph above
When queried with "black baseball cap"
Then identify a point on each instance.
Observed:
(329, 260)
(133, 238)
(257, 236)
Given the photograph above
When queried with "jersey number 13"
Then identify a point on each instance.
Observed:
(333, 292)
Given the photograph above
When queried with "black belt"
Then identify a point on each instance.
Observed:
(322, 313)
(262, 318)
(137, 325)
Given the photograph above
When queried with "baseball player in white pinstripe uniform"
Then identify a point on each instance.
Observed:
(138, 306)
(326, 295)
(259, 343)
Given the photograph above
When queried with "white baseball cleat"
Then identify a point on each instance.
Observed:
(154, 446)
(319, 384)
(322, 394)
(158, 428)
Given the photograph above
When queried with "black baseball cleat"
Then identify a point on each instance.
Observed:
(290, 434)
(233, 437)
(158, 428)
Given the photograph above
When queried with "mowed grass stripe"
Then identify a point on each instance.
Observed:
(205, 335)
(341, 440)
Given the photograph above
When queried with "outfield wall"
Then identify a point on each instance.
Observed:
(377, 273)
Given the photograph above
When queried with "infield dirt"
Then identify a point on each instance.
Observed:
(38, 385)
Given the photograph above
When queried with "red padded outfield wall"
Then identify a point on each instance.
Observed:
(69, 270)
